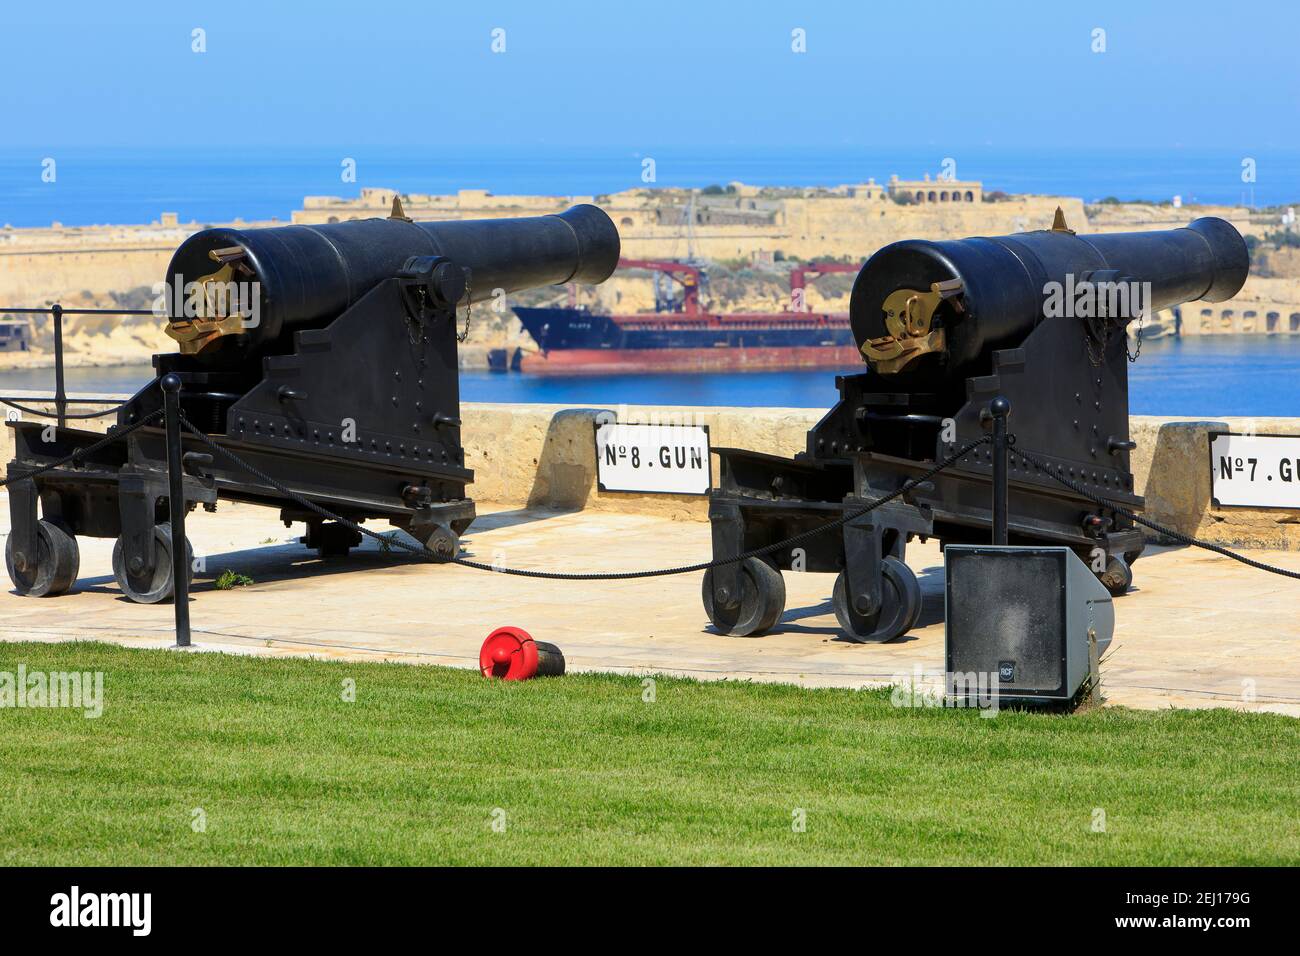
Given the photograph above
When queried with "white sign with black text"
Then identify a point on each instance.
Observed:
(669, 459)
(1261, 471)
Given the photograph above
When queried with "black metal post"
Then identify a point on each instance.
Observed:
(60, 396)
(1000, 408)
(171, 386)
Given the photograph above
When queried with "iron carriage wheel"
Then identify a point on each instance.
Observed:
(162, 582)
(900, 605)
(762, 600)
(53, 569)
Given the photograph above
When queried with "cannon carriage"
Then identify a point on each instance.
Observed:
(1039, 319)
(323, 356)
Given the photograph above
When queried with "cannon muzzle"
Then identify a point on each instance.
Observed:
(929, 312)
(251, 286)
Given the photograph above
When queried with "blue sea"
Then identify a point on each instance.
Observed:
(136, 185)
(1215, 376)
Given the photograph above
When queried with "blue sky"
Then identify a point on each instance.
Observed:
(650, 74)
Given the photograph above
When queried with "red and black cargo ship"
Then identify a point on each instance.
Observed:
(681, 336)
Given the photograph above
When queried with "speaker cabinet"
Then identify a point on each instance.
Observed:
(1029, 621)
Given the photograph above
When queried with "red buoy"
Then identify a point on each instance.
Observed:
(511, 654)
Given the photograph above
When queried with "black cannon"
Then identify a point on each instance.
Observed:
(326, 358)
(1040, 318)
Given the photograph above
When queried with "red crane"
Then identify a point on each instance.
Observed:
(799, 279)
(692, 278)
(688, 276)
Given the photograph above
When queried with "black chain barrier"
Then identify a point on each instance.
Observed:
(116, 435)
(421, 551)
(839, 522)
(1054, 471)
(83, 415)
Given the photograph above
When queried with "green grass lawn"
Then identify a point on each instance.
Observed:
(286, 771)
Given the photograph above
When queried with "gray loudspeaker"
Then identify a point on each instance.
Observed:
(1030, 621)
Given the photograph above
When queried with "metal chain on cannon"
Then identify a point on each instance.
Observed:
(1133, 356)
(1100, 328)
(415, 323)
(1097, 330)
(469, 304)
(415, 328)
(1098, 358)
(1095, 360)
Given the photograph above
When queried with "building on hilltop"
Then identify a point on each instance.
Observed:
(936, 190)
(869, 190)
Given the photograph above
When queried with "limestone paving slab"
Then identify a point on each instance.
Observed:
(1197, 631)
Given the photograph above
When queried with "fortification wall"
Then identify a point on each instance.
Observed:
(35, 278)
(56, 263)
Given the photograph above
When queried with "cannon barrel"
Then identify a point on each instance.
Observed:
(929, 312)
(271, 280)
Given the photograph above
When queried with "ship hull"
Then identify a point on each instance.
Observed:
(577, 341)
(729, 359)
